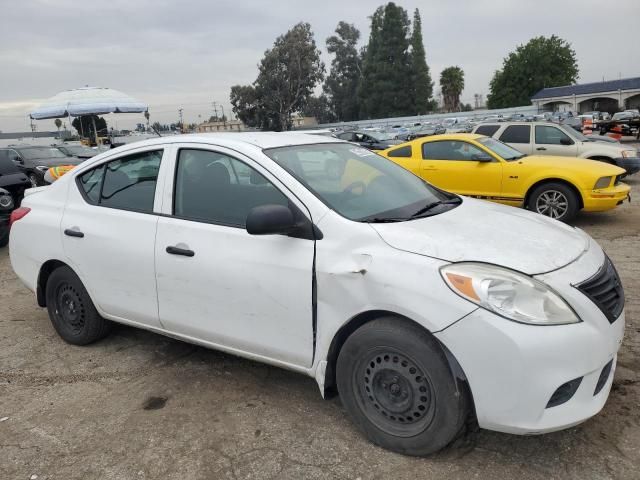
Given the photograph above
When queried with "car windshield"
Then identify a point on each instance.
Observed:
(33, 153)
(501, 149)
(80, 150)
(381, 136)
(359, 184)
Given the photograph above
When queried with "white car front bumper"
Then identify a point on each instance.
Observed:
(514, 369)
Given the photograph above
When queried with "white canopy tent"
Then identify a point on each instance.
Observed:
(87, 101)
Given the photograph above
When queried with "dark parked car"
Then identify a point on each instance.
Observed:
(79, 151)
(12, 186)
(370, 140)
(35, 161)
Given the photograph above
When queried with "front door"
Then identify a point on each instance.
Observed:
(217, 283)
(457, 166)
(109, 230)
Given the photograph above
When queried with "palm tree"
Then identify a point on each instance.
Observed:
(451, 85)
(146, 115)
(58, 123)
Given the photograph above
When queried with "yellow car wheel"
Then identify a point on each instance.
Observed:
(555, 200)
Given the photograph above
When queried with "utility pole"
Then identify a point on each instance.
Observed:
(181, 124)
(215, 111)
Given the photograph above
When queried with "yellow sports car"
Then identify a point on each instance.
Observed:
(482, 167)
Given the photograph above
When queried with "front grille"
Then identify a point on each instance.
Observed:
(605, 290)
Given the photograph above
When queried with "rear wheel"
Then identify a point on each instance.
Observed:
(395, 382)
(555, 200)
(71, 310)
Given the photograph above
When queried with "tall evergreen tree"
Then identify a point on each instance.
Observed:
(451, 85)
(385, 89)
(341, 86)
(422, 83)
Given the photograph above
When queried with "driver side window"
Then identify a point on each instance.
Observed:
(451, 150)
(546, 135)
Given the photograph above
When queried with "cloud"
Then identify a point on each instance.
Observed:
(189, 53)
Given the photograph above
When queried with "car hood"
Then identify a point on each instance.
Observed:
(573, 164)
(491, 233)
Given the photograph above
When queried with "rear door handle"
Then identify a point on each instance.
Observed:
(540, 148)
(180, 251)
(73, 233)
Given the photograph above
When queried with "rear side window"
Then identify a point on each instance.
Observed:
(402, 152)
(487, 130)
(516, 134)
(128, 183)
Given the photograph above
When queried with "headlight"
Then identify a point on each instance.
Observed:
(629, 153)
(42, 168)
(6, 202)
(603, 182)
(507, 293)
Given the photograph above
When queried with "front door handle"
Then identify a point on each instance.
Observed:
(180, 251)
(73, 233)
(540, 148)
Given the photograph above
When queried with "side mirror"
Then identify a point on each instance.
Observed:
(270, 220)
(565, 141)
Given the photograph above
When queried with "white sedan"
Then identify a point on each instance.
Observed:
(419, 307)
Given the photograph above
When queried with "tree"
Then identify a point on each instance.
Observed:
(422, 83)
(320, 109)
(146, 116)
(451, 85)
(84, 125)
(542, 62)
(385, 89)
(341, 86)
(288, 73)
(58, 124)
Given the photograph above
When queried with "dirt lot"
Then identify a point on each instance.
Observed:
(141, 406)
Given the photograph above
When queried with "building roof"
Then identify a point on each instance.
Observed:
(589, 88)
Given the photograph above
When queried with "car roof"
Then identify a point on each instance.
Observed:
(452, 136)
(261, 140)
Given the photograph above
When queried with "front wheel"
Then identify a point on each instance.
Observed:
(554, 200)
(71, 310)
(396, 384)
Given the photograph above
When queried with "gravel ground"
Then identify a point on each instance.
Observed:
(142, 406)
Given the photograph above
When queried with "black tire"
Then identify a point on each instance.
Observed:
(71, 310)
(561, 201)
(4, 237)
(396, 384)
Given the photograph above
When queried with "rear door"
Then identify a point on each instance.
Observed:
(109, 230)
(519, 137)
(550, 140)
(456, 166)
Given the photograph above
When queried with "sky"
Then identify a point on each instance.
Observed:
(188, 53)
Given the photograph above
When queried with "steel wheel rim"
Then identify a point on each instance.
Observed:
(394, 392)
(552, 203)
(69, 308)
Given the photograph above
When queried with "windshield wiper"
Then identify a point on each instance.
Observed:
(384, 220)
(431, 206)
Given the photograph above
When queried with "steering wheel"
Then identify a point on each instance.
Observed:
(354, 185)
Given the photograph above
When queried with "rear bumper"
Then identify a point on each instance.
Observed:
(630, 164)
(605, 198)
